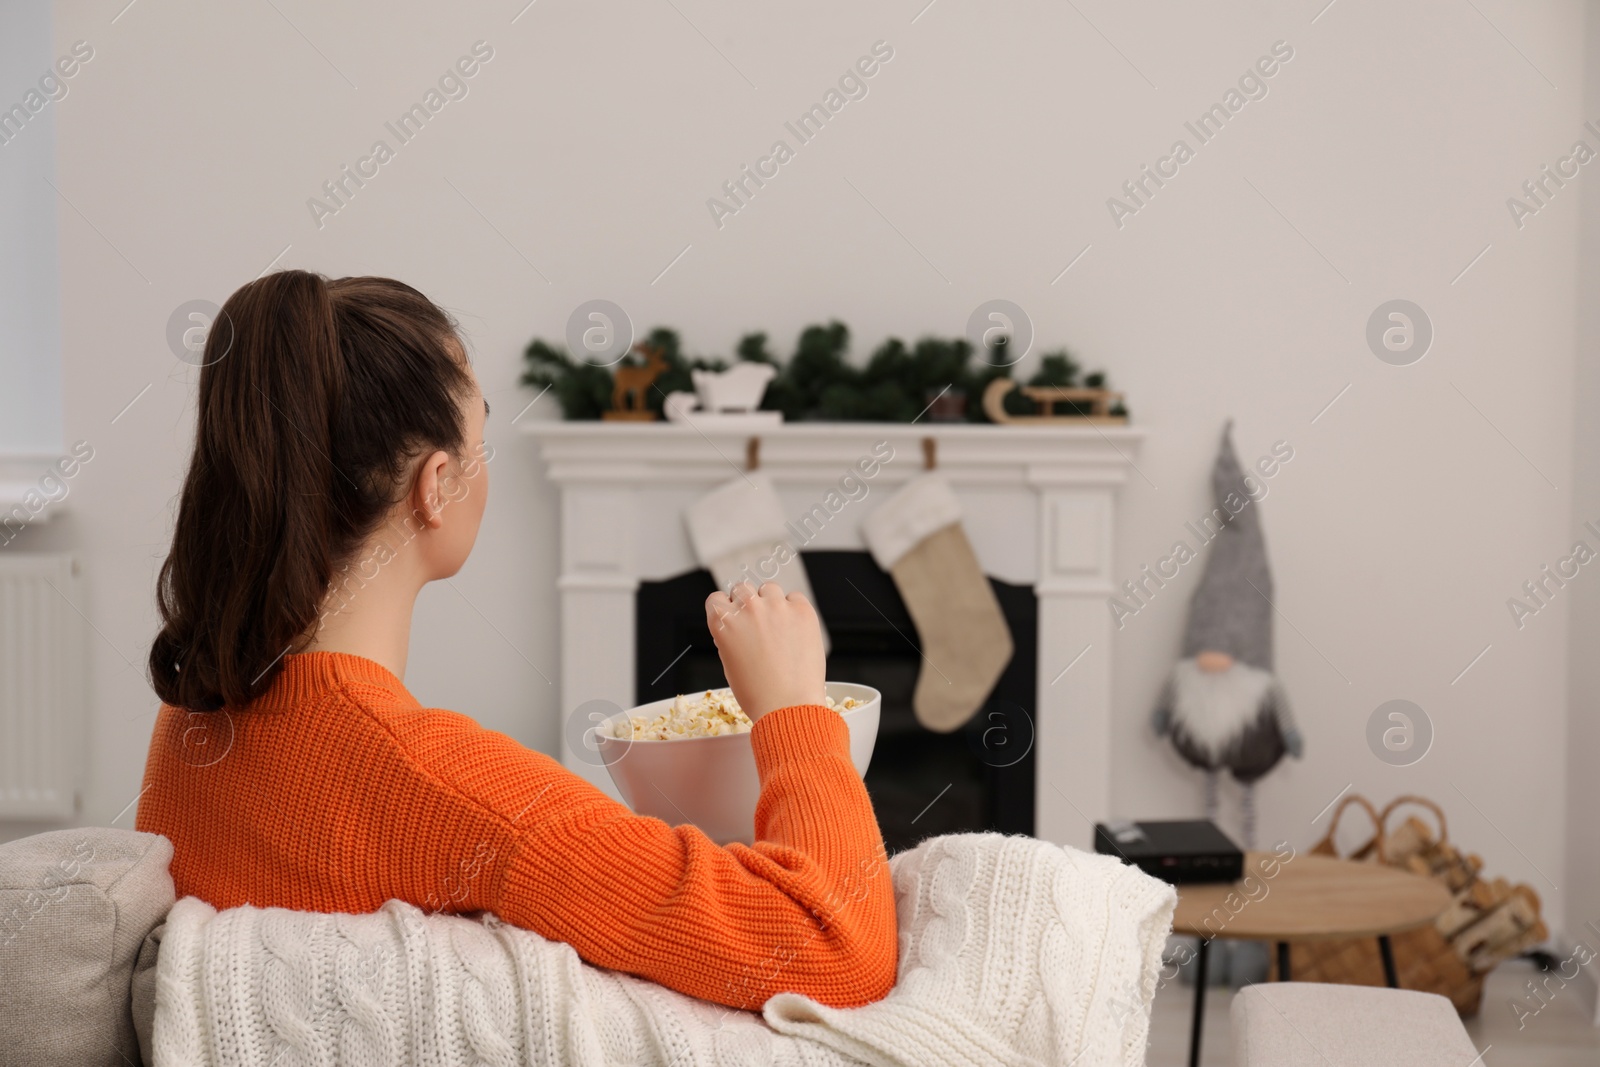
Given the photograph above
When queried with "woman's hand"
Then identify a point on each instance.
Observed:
(771, 647)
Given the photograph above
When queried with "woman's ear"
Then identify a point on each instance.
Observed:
(427, 501)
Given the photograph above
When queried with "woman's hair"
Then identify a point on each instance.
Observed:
(315, 396)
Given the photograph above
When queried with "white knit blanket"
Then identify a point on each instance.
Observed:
(1013, 952)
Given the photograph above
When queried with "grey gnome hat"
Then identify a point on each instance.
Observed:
(1232, 610)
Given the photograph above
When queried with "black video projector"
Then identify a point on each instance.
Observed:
(1178, 851)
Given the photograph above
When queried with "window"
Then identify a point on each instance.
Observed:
(31, 93)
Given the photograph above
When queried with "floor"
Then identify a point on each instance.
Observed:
(1560, 1035)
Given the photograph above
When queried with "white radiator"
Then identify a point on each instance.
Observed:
(43, 663)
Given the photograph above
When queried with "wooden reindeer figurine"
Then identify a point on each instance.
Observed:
(631, 385)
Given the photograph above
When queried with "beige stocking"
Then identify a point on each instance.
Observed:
(917, 537)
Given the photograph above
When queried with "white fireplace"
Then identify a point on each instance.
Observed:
(1039, 507)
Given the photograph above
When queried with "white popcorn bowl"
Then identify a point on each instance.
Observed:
(711, 781)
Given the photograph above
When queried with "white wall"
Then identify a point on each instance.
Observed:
(978, 166)
(1583, 726)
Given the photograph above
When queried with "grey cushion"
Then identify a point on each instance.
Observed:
(75, 908)
(1287, 1024)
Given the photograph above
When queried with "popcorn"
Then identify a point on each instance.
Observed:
(711, 714)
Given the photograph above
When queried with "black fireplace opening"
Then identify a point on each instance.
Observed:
(922, 783)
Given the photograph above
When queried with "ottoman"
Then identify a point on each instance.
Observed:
(1290, 1024)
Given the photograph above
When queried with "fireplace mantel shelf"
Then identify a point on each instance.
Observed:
(1039, 506)
(974, 430)
(615, 452)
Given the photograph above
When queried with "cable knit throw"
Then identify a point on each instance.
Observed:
(1013, 951)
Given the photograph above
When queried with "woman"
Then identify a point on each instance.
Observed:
(336, 471)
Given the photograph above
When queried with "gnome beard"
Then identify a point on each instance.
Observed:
(1225, 717)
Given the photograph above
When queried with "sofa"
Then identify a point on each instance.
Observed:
(86, 915)
(77, 958)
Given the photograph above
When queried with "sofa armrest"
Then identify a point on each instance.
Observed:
(75, 907)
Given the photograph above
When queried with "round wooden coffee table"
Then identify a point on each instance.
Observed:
(1303, 898)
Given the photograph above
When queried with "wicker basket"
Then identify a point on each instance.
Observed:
(1486, 922)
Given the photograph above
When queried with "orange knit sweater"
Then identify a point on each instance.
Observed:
(337, 791)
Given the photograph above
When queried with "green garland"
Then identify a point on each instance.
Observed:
(818, 384)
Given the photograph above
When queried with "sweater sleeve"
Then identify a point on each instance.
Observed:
(809, 908)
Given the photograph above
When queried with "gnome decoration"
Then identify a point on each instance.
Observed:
(1222, 706)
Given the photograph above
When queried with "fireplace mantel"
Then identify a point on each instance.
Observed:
(1039, 508)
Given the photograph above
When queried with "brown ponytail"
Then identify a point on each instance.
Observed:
(314, 397)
